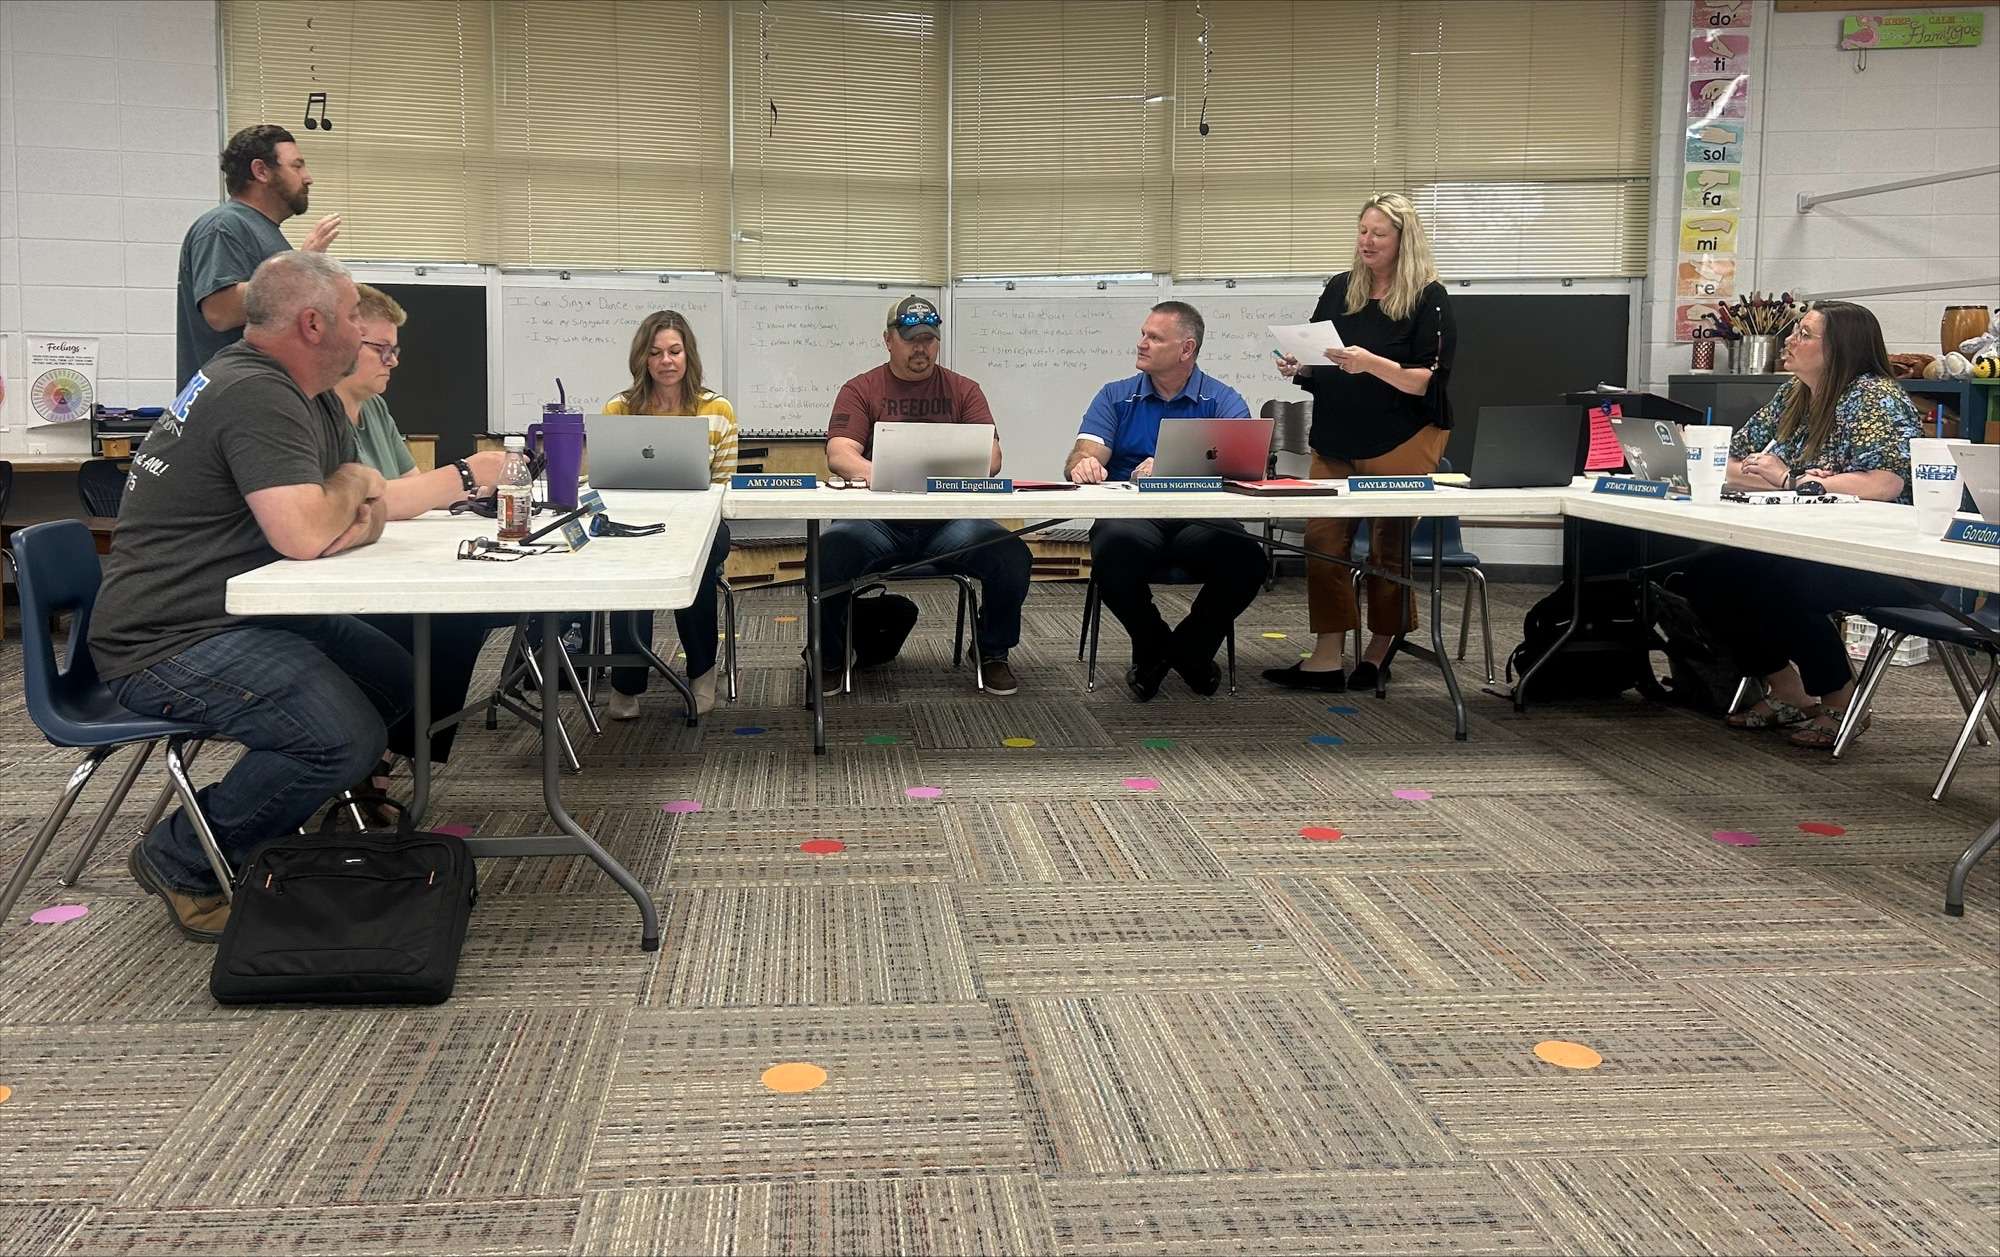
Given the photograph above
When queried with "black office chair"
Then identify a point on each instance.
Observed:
(966, 630)
(101, 484)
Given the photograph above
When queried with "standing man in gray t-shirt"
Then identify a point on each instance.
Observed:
(267, 181)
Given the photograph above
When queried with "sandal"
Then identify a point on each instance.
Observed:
(1820, 736)
(1777, 714)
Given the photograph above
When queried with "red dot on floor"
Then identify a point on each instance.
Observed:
(1320, 833)
(1735, 838)
(822, 846)
(1821, 828)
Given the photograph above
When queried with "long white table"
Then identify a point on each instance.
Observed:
(818, 506)
(414, 570)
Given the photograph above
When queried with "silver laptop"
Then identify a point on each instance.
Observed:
(647, 451)
(907, 454)
(1979, 472)
(1235, 449)
(1653, 449)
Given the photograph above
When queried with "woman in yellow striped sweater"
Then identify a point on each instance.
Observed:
(666, 380)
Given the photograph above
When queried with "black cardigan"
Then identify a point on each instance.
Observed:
(1361, 416)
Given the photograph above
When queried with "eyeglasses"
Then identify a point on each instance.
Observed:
(390, 354)
(928, 318)
(487, 550)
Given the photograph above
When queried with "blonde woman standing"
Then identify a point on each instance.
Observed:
(1379, 408)
(667, 380)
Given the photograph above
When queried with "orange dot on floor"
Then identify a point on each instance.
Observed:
(1568, 1055)
(1320, 833)
(822, 846)
(784, 619)
(6, 1094)
(792, 1077)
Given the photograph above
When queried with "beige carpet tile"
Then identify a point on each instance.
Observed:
(369, 1107)
(1730, 766)
(547, 951)
(1973, 1173)
(92, 1103)
(495, 1228)
(638, 836)
(1254, 838)
(1675, 1076)
(1052, 720)
(1605, 829)
(1233, 770)
(1438, 931)
(1914, 894)
(1106, 937)
(950, 1215)
(123, 962)
(1204, 1081)
(1691, 924)
(1732, 1204)
(1131, 839)
(727, 845)
(37, 1229)
(1364, 772)
(1179, 713)
(811, 945)
(1918, 1059)
(782, 772)
(1447, 1209)
(910, 1089)
(1880, 828)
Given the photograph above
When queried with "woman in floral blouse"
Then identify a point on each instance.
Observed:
(1843, 423)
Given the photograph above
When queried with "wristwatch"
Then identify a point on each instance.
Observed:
(465, 477)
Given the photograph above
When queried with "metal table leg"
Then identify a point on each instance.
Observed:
(420, 719)
(815, 687)
(1437, 632)
(1573, 573)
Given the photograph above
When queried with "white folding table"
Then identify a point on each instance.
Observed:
(414, 570)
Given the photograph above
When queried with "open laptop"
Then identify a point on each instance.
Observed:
(907, 454)
(1235, 449)
(1979, 472)
(647, 451)
(1653, 449)
(1527, 447)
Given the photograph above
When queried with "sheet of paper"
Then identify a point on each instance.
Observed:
(1308, 342)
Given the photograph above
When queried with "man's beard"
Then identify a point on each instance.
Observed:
(297, 204)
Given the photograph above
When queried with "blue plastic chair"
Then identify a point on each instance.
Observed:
(56, 571)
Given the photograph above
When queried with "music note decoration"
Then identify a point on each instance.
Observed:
(321, 123)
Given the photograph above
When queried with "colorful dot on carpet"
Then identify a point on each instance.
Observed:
(1142, 784)
(1158, 744)
(1568, 1055)
(1017, 742)
(56, 914)
(1345, 711)
(923, 792)
(456, 831)
(880, 739)
(681, 806)
(1413, 796)
(1320, 833)
(1735, 838)
(784, 619)
(1275, 637)
(822, 846)
(6, 1094)
(1326, 739)
(747, 731)
(1821, 828)
(793, 1077)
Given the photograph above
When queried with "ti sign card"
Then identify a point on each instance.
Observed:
(1390, 484)
(968, 484)
(1711, 53)
(766, 480)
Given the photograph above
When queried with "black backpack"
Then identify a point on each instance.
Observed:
(882, 623)
(1704, 675)
(368, 918)
(1614, 642)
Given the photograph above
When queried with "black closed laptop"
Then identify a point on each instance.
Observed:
(1527, 447)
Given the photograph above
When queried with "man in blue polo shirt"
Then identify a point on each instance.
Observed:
(1116, 442)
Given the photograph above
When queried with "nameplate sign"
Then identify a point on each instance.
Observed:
(766, 480)
(575, 534)
(1625, 487)
(591, 502)
(1973, 532)
(968, 484)
(1178, 484)
(1390, 484)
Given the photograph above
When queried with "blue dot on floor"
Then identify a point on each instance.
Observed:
(747, 731)
(1345, 711)
(1326, 739)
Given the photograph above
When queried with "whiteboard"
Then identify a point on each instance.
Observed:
(1040, 360)
(795, 347)
(582, 334)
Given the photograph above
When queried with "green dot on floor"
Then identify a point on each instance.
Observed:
(1158, 744)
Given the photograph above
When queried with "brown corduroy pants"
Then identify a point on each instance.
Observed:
(1329, 586)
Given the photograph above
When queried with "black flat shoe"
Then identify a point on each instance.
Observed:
(1203, 676)
(1297, 678)
(1363, 677)
(1143, 679)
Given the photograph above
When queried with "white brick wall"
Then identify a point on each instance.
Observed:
(118, 102)
(1816, 125)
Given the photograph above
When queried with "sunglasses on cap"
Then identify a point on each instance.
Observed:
(929, 318)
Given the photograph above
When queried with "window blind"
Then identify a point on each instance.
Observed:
(839, 163)
(1060, 129)
(611, 134)
(1523, 129)
(408, 163)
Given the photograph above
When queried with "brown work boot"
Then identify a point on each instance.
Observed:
(998, 677)
(200, 917)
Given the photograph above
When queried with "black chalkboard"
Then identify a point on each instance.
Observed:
(439, 386)
(1516, 350)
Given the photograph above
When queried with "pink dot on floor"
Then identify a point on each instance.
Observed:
(1320, 833)
(1142, 784)
(923, 792)
(822, 846)
(1735, 838)
(681, 806)
(1413, 796)
(456, 831)
(56, 914)
(1821, 828)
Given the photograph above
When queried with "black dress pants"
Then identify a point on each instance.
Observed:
(1126, 555)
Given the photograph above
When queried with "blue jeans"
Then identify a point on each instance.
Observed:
(853, 548)
(311, 701)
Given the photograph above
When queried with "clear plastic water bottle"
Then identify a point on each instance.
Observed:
(515, 493)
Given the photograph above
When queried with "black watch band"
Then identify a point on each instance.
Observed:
(465, 477)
